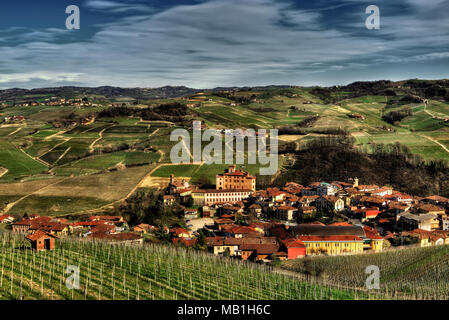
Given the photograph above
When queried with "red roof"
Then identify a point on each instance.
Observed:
(38, 235)
(5, 216)
(292, 243)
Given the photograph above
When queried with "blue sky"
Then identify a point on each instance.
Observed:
(210, 43)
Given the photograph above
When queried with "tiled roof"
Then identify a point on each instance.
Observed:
(38, 235)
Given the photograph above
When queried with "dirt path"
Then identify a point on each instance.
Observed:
(35, 158)
(435, 141)
(100, 136)
(3, 171)
(15, 131)
(12, 204)
(55, 135)
(57, 145)
(62, 155)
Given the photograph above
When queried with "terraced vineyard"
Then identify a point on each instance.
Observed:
(149, 272)
(416, 273)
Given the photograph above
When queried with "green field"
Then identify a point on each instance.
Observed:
(18, 163)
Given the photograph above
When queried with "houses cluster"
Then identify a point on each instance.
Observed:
(42, 231)
(55, 101)
(340, 217)
(11, 119)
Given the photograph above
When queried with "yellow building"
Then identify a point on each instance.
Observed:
(332, 245)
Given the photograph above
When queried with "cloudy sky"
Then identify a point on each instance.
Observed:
(210, 43)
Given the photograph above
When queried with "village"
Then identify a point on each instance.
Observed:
(236, 220)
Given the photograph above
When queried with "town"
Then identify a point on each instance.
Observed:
(236, 220)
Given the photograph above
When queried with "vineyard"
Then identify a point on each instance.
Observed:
(413, 273)
(145, 272)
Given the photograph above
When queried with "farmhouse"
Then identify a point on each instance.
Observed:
(41, 240)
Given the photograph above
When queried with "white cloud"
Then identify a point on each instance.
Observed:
(114, 6)
(217, 43)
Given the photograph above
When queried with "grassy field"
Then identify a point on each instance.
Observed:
(418, 273)
(18, 163)
(151, 272)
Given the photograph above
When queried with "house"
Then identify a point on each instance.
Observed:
(367, 188)
(307, 210)
(428, 238)
(190, 213)
(255, 210)
(430, 208)
(286, 213)
(258, 251)
(437, 200)
(365, 213)
(179, 232)
(295, 248)
(377, 202)
(308, 200)
(220, 245)
(168, 200)
(329, 202)
(22, 226)
(6, 218)
(410, 221)
(41, 240)
(243, 231)
(144, 228)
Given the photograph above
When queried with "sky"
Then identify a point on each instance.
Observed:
(212, 43)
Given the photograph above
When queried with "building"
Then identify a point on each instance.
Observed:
(410, 221)
(332, 203)
(286, 213)
(295, 248)
(41, 240)
(6, 218)
(207, 197)
(332, 244)
(336, 239)
(233, 179)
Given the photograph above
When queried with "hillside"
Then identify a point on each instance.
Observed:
(125, 132)
(149, 272)
(417, 273)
